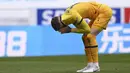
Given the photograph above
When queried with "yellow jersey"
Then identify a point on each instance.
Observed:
(90, 9)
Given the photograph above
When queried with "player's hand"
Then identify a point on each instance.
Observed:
(66, 29)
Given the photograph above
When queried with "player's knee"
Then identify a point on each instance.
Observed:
(90, 36)
(86, 36)
(92, 40)
(85, 40)
(56, 23)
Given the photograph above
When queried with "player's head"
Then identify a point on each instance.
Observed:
(56, 23)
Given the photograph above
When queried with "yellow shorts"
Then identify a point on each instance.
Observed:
(101, 21)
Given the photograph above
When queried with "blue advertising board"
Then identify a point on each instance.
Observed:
(45, 15)
(44, 41)
(115, 39)
(116, 18)
(37, 41)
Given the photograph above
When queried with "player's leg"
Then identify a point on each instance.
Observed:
(99, 24)
(88, 54)
(87, 51)
(93, 48)
(86, 43)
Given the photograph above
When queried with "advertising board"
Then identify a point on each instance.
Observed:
(44, 41)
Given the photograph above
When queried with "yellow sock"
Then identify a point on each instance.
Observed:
(94, 53)
(87, 50)
(88, 54)
(93, 47)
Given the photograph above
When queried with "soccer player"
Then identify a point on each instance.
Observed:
(99, 15)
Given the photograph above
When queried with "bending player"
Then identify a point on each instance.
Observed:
(99, 15)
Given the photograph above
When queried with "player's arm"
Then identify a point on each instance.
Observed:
(73, 30)
(81, 27)
(77, 30)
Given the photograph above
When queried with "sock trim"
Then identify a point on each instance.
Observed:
(91, 46)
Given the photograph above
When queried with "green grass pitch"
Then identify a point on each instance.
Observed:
(63, 64)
